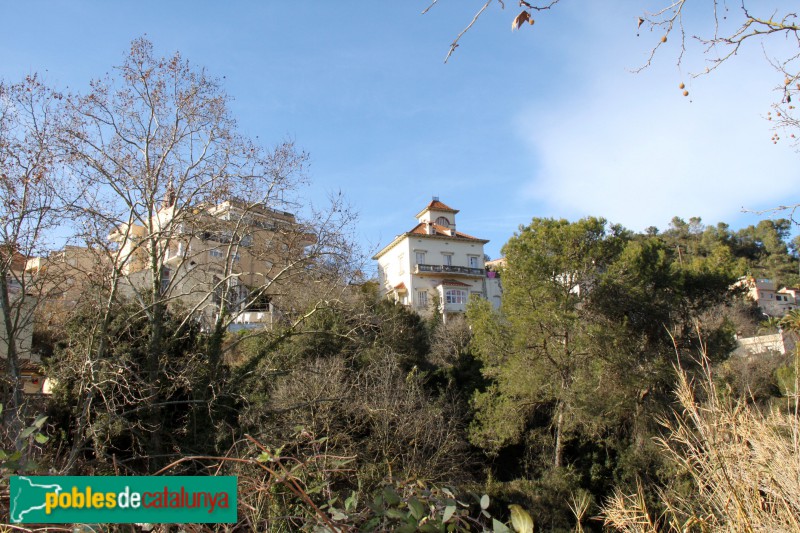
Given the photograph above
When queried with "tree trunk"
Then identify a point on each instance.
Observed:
(13, 412)
(557, 459)
(153, 363)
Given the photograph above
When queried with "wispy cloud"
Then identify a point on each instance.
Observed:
(633, 149)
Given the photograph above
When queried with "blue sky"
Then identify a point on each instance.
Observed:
(546, 121)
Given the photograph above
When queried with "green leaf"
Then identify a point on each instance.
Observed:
(351, 502)
(396, 514)
(264, 457)
(41, 439)
(521, 519)
(315, 489)
(390, 495)
(27, 432)
(499, 527)
(485, 501)
(3, 455)
(372, 524)
(377, 505)
(448, 512)
(417, 509)
(40, 422)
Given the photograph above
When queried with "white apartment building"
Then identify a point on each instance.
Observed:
(434, 264)
(229, 250)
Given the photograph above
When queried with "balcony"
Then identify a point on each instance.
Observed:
(251, 320)
(448, 269)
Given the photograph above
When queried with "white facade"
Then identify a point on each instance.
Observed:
(772, 302)
(21, 314)
(780, 342)
(433, 265)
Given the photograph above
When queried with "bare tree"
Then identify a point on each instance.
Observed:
(29, 209)
(728, 29)
(193, 219)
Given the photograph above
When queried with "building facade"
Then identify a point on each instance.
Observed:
(433, 267)
(21, 300)
(228, 253)
(773, 302)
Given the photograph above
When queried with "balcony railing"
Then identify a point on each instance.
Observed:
(449, 269)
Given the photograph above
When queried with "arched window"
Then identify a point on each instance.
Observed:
(442, 221)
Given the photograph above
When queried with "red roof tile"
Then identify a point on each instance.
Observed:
(400, 287)
(439, 206)
(441, 231)
(26, 365)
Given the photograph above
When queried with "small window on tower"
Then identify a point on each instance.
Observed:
(442, 221)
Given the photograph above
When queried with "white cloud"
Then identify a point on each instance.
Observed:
(631, 148)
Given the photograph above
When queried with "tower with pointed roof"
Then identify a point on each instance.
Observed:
(433, 267)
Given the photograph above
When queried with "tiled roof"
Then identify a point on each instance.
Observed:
(439, 206)
(454, 283)
(29, 367)
(400, 287)
(441, 231)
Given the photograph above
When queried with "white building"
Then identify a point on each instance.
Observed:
(231, 251)
(20, 312)
(764, 292)
(433, 265)
(781, 343)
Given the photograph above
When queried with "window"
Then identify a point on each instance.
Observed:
(455, 296)
(447, 259)
(215, 253)
(165, 274)
(442, 221)
(422, 298)
(473, 261)
(401, 267)
(420, 258)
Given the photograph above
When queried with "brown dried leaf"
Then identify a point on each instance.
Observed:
(521, 19)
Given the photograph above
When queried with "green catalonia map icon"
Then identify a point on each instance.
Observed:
(27, 496)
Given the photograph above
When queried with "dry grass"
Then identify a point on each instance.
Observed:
(744, 465)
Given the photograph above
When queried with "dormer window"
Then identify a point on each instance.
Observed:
(442, 221)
